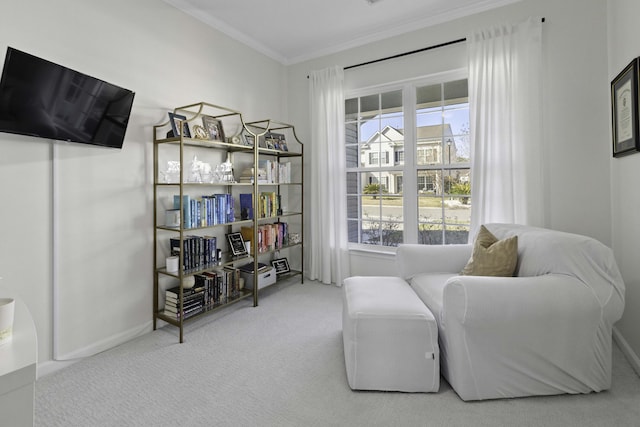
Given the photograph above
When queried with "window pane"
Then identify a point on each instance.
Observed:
(369, 106)
(352, 155)
(353, 187)
(353, 230)
(392, 101)
(353, 207)
(456, 91)
(351, 109)
(429, 95)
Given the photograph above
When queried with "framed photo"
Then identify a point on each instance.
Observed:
(214, 128)
(281, 265)
(624, 110)
(248, 139)
(174, 119)
(236, 244)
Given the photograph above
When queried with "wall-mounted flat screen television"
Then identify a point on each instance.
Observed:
(43, 99)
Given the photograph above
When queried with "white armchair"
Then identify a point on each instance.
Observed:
(546, 331)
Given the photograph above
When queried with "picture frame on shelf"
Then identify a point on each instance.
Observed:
(214, 128)
(281, 265)
(174, 120)
(248, 139)
(236, 244)
(624, 111)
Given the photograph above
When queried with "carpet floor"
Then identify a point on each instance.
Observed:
(282, 364)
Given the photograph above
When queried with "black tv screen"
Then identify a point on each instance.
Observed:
(43, 99)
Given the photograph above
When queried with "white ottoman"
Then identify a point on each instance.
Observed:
(390, 337)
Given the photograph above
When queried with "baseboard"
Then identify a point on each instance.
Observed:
(631, 356)
(51, 366)
(62, 361)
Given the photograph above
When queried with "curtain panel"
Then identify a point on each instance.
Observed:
(505, 108)
(328, 251)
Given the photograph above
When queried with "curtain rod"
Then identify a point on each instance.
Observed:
(399, 55)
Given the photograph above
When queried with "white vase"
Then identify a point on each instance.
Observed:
(7, 307)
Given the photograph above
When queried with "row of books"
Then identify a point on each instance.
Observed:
(269, 204)
(198, 252)
(275, 172)
(270, 236)
(269, 172)
(205, 211)
(219, 285)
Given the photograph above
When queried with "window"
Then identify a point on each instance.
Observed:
(423, 195)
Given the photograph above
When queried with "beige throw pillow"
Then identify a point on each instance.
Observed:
(492, 257)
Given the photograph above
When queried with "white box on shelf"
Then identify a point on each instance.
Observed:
(265, 278)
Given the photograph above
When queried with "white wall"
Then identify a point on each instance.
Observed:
(105, 196)
(625, 176)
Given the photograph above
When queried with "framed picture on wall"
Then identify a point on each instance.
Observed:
(624, 111)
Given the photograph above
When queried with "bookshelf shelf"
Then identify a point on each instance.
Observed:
(217, 164)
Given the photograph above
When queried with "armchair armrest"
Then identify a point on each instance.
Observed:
(519, 336)
(412, 259)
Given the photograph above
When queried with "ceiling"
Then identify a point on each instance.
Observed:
(292, 31)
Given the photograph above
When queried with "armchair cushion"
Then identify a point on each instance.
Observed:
(492, 257)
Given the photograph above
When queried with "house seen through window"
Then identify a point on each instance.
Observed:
(408, 165)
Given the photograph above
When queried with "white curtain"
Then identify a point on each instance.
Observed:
(328, 252)
(505, 108)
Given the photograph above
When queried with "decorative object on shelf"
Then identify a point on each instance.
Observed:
(172, 218)
(234, 140)
(200, 171)
(214, 128)
(172, 263)
(624, 110)
(236, 244)
(172, 174)
(226, 170)
(200, 132)
(294, 238)
(7, 309)
(175, 119)
(281, 265)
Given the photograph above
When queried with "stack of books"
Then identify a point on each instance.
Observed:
(193, 302)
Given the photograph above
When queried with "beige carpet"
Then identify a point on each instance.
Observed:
(281, 364)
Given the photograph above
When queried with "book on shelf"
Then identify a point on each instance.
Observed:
(187, 313)
(219, 285)
(197, 251)
(248, 268)
(270, 236)
(206, 210)
(186, 208)
(173, 307)
(175, 291)
(246, 206)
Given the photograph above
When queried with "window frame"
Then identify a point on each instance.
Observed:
(410, 168)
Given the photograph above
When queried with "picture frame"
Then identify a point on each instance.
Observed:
(624, 111)
(280, 265)
(248, 139)
(214, 128)
(174, 119)
(236, 244)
